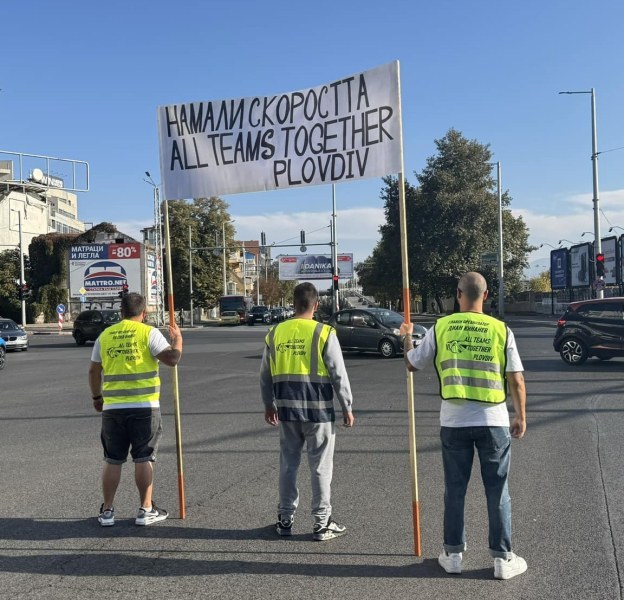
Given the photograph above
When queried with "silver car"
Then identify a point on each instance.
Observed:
(14, 335)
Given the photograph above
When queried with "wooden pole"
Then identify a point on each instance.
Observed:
(410, 382)
(176, 395)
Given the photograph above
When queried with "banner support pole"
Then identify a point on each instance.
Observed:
(176, 395)
(407, 317)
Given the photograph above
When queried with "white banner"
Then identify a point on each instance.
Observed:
(609, 249)
(347, 129)
(314, 266)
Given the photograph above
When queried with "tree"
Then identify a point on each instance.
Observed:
(9, 276)
(205, 219)
(273, 290)
(452, 219)
(541, 283)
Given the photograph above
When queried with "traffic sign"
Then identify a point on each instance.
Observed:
(598, 284)
(489, 259)
(82, 291)
(60, 309)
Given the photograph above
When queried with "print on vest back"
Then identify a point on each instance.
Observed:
(296, 347)
(475, 340)
(125, 345)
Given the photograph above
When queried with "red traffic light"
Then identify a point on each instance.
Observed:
(335, 278)
(600, 265)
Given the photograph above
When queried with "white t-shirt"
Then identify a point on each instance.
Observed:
(157, 344)
(467, 413)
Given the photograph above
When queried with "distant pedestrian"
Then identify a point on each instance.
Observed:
(433, 308)
(125, 386)
(476, 359)
(181, 318)
(302, 368)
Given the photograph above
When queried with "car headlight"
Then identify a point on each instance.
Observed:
(396, 332)
(23, 337)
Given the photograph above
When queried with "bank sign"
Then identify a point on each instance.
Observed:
(314, 266)
(103, 269)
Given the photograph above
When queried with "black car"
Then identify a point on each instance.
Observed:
(258, 314)
(278, 314)
(591, 328)
(371, 330)
(90, 323)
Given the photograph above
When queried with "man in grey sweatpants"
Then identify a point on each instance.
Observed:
(302, 368)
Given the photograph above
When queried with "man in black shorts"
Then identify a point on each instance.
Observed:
(125, 386)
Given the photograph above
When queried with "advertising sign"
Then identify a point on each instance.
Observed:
(152, 278)
(559, 269)
(314, 266)
(343, 130)
(102, 269)
(609, 249)
(579, 265)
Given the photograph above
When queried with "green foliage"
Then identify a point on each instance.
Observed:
(10, 306)
(205, 217)
(452, 218)
(274, 291)
(541, 283)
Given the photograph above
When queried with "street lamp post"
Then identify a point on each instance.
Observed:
(160, 294)
(597, 244)
(21, 251)
(190, 276)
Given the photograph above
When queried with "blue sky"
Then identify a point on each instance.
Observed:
(83, 80)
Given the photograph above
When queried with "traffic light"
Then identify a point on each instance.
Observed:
(262, 238)
(335, 281)
(302, 233)
(24, 291)
(600, 266)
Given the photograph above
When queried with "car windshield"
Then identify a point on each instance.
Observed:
(111, 316)
(259, 309)
(6, 325)
(388, 317)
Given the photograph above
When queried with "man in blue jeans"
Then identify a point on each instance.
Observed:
(477, 361)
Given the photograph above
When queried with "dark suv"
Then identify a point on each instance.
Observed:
(90, 323)
(258, 314)
(591, 328)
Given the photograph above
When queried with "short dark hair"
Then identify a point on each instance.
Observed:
(132, 305)
(305, 297)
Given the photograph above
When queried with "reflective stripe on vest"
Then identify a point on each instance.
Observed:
(301, 384)
(470, 357)
(130, 371)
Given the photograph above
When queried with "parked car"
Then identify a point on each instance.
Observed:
(591, 328)
(2, 353)
(372, 330)
(14, 335)
(230, 317)
(278, 314)
(90, 323)
(258, 314)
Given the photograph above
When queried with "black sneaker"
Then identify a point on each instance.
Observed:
(332, 530)
(284, 525)
(147, 517)
(107, 517)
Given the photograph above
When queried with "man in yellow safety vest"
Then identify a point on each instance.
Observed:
(124, 382)
(302, 368)
(476, 359)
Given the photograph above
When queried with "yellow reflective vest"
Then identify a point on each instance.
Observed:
(130, 372)
(301, 384)
(470, 357)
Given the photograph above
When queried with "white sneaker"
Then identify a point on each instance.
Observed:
(451, 563)
(506, 569)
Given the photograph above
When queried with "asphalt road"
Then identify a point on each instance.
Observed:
(567, 485)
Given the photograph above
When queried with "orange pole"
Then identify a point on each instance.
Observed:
(176, 395)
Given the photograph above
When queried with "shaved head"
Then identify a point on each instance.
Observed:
(472, 284)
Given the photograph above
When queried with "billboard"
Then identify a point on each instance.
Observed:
(559, 269)
(314, 266)
(102, 269)
(609, 249)
(346, 129)
(579, 265)
(152, 278)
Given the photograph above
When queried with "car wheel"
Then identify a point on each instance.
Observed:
(2, 358)
(573, 352)
(387, 349)
(80, 339)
